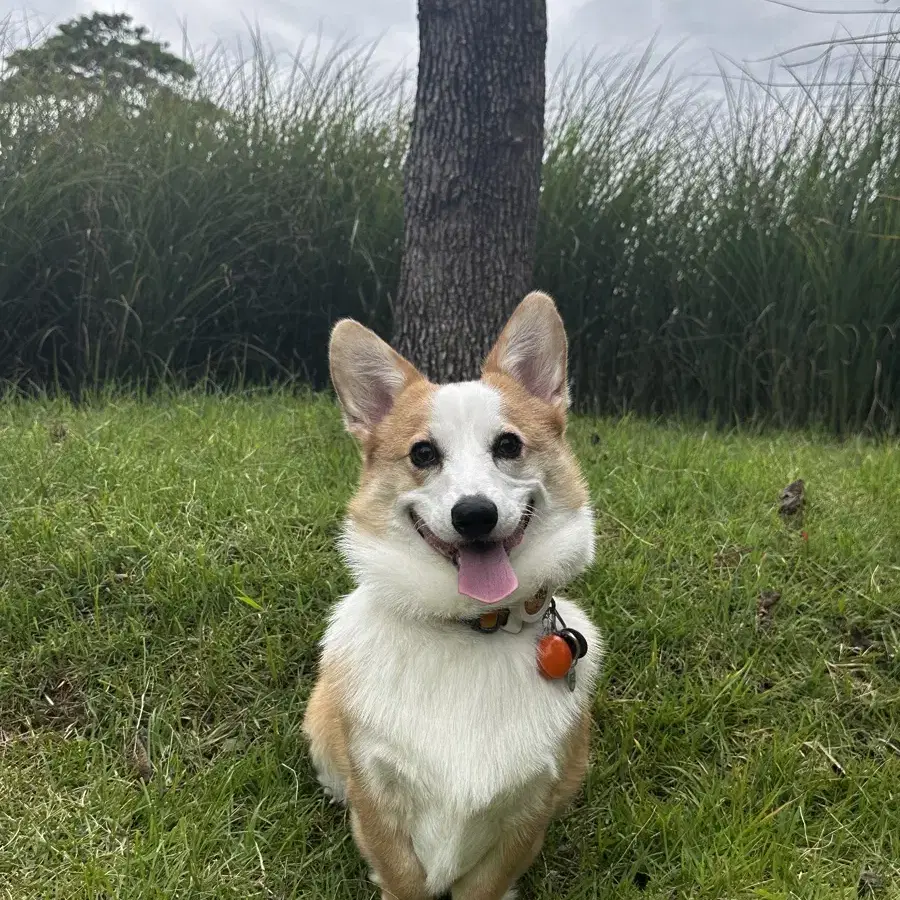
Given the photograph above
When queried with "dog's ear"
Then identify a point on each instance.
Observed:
(367, 375)
(532, 349)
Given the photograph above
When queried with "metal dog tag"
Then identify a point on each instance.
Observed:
(570, 678)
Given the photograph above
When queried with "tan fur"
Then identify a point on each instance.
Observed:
(542, 428)
(385, 444)
(388, 849)
(537, 313)
(387, 471)
(511, 858)
(354, 352)
(385, 447)
(541, 424)
(324, 721)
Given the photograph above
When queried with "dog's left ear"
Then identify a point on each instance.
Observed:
(367, 374)
(532, 349)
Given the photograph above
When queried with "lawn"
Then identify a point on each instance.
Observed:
(165, 570)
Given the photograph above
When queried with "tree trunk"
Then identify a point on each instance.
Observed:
(472, 179)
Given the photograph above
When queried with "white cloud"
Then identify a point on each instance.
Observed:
(737, 29)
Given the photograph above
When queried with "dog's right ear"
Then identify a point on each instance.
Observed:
(367, 375)
(532, 349)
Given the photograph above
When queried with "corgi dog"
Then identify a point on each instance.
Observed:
(452, 708)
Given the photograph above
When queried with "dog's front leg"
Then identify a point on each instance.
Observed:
(494, 877)
(387, 849)
(324, 727)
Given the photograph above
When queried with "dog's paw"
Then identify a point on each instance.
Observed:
(335, 797)
(373, 877)
(334, 789)
(511, 894)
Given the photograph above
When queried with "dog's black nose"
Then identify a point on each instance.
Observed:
(474, 517)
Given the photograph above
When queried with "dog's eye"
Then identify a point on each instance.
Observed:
(424, 455)
(508, 446)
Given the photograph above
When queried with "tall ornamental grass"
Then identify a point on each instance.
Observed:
(733, 260)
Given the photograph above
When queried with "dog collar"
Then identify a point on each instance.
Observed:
(513, 618)
(559, 647)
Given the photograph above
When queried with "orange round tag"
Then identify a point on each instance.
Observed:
(554, 656)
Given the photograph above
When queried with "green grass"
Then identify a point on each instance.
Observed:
(166, 567)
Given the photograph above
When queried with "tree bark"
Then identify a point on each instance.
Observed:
(472, 180)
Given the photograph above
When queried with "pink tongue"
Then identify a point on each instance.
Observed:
(485, 573)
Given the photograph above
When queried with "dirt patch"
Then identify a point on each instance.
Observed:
(56, 705)
(731, 557)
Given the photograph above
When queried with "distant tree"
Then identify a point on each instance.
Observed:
(102, 57)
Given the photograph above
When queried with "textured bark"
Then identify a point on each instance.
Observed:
(472, 179)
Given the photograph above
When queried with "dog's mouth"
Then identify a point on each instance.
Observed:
(485, 572)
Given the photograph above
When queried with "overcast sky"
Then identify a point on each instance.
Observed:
(744, 30)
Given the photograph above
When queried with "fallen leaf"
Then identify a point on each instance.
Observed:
(140, 759)
(869, 884)
(792, 499)
(765, 603)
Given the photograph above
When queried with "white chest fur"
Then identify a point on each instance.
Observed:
(453, 730)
